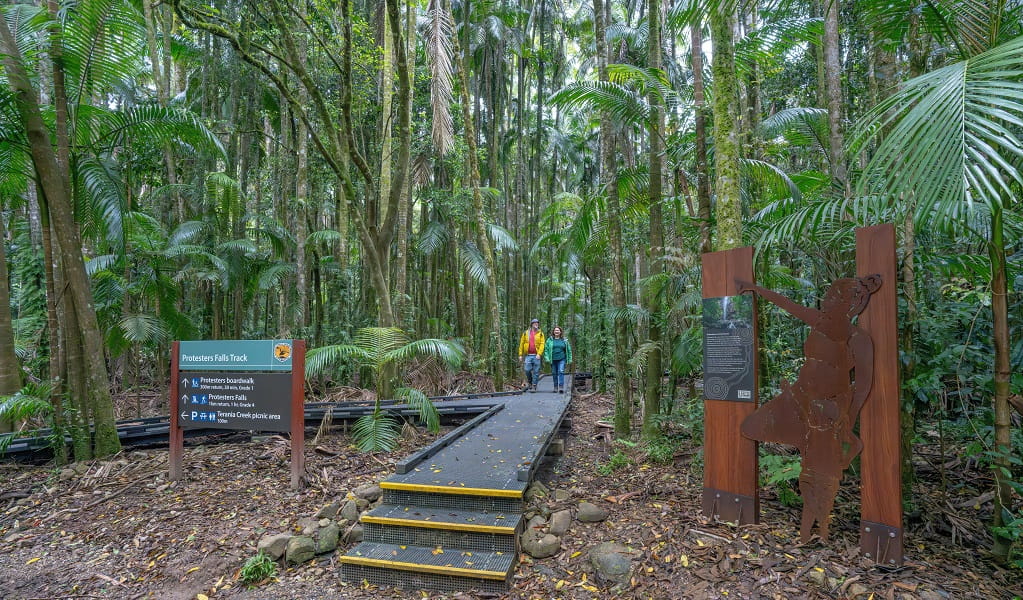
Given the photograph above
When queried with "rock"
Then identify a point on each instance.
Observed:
(300, 549)
(535, 524)
(612, 563)
(537, 490)
(540, 545)
(369, 492)
(329, 511)
(354, 534)
(324, 522)
(350, 511)
(590, 513)
(816, 576)
(66, 474)
(560, 522)
(327, 539)
(857, 590)
(556, 448)
(273, 545)
(562, 495)
(362, 504)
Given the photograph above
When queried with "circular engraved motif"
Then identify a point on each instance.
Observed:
(745, 335)
(715, 388)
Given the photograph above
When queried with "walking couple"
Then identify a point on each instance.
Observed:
(534, 348)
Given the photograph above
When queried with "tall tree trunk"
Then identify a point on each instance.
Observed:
(54, 183)
(652, 396)
(10, 366)
(726, 147)
(700, 125)
(1001, 466)
(608, 176)
(833, 90)
(493, 347)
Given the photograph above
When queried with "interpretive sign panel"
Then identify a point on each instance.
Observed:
(256, 401)
(728, 351)
(236, 355)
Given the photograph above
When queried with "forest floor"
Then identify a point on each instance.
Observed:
(119, 529)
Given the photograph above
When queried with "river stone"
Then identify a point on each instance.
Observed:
(350, 511)
(562, 495)
(300, 549)
(540, 545)
(354, 534)
(612, 563)
(535, 524)
(590, 513)
(537, 490)
(327, 539)
(560, 522)
(273, 545)
(369, 492)
(329, 511)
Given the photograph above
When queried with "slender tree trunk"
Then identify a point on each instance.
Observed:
(652, 396)
(833, 90)
(493, 347)
(10, 366)
(1002, 466)
(608, 176)
(700, 125)
(726, 147)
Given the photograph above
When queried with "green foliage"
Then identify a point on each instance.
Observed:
(782, 472)
(617, 461)
(257, 569)
(662, 448)
(30, 403)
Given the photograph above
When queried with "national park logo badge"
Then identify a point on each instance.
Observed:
(282, 351)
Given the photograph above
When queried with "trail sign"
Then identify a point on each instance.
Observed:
(220, 389)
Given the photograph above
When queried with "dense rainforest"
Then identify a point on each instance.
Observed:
(410, 183)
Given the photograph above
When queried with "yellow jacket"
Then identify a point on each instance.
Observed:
(524, 343)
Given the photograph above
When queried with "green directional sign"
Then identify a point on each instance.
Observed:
(235, 355)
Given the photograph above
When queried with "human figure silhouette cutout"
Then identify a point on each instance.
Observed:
(817, 412)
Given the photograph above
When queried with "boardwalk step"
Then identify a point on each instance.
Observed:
(418, 567)
(450, 519)
(451, 500)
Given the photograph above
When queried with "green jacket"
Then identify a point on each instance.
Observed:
(549, 347)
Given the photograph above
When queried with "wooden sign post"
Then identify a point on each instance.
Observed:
(880, 429)
(256, 385)
(730, 462)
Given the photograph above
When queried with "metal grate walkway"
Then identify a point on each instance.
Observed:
(451, 515)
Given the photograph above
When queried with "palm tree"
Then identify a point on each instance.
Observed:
(382, 350)
(949, 141)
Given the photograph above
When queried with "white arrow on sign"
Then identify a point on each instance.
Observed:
(184, 381)
(184, 397)
(184, 414)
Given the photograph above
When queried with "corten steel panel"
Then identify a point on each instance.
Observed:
(730, 459)
(881, 463)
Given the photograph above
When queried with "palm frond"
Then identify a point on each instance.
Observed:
(318, 360)
(801, 126)
(272, 276)
(503, 239)
(439, 50)
(422, 405)
(433, 237)
(619, 102)
(103, 45)
(376, 432)
(450, 352)
(143, 328)
(949, 137)
(473, 262)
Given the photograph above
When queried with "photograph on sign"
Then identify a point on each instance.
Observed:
(251, 401)
(728, 351)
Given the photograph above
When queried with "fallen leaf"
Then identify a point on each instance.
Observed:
(32, 560)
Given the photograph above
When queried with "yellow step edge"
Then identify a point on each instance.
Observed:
(438, 525)
(447, 489)
(418, 568)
